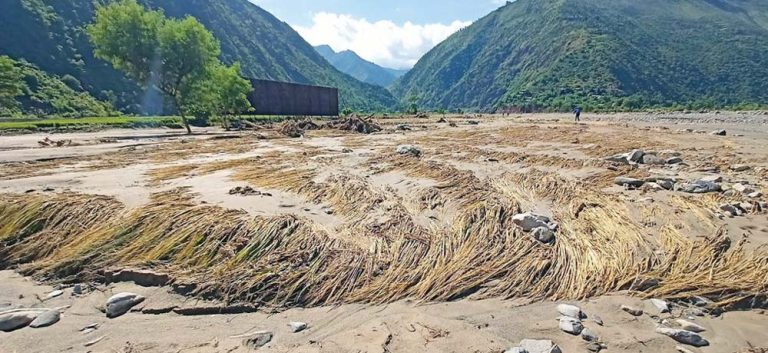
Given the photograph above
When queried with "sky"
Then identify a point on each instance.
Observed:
(394, 33)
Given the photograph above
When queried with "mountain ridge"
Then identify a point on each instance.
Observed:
(618, 55)
(351, 63)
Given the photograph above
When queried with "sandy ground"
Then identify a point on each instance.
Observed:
(126, 165)
(462, 326)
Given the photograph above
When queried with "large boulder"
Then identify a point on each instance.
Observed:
(17, 318)
(46, 318)
(120, 303)
(683, 336)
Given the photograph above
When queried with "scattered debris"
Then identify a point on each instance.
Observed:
(47, 142)
(244, 191)
(699, 187)
(92, 342)
(355, 124)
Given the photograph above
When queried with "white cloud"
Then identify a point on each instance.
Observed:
(382, 42)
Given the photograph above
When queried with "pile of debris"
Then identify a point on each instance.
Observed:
(247, 191)
(355, 124)
(47, 142)
(296, 128)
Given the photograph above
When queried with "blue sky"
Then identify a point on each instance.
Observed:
(393, 33)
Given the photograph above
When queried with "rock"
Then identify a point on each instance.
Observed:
(660, 305)
(588, 335)
(755, 195)
(597, 319)
(743, 188)
(539, 346)
(570, 311)
(529, 221)
(674, 160)
(409, 149)
(54, 294)
(256, 339)
(713, 178)
(346, 150)
(15, 319)
(740, 167)
(683, 336)
(543, 234)
(699, 187)
(652, 159)
(120, 303)
(636, 156)
(571, 325)
(516, 350)
(403, 127)
(631, 182)
(77, 289)
(719, 133)
(730, 209)
(148, 278)
(297, 326)
(666, 184)
(690, 326)
(594, 347)
(46, 318)
(619, 158)
(695, 312)
(631, 310)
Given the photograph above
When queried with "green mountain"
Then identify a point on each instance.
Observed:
(44, 94)
(50, 34)
(603, 55)
(352, 64)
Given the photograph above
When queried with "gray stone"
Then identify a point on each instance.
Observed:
(597, 319)
(690, 326)
(632, 310)
(297, 326)
(120, 303)
(530, 221)
(594, 347)
(17, 318)
(730, 209)
(660, 305)
(740, 167)
(625, 181)
(652, 159)
(666, 184)
(683, 336)
(719, 133)
(46, 318)
(674, 160)
(409, 149)
(619, 158)
(755, 195)
(730, 193)
(257, 339)
(588, 335)
(636, 156)
(570, 311)
(571, 325)
(77, 289)
(699, 187)
(543, 234)
(539, 346)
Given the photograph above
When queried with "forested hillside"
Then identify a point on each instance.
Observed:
(50, 34)
(604, 55)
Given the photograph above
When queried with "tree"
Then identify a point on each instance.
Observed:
(413, 104)
(11, 84)
(224, 93)
(170, 55)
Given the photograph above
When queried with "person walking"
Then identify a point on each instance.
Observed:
(577, 111)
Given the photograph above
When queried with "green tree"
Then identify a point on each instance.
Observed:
(413, 104)
(11, 84)
(224, 93)
(170, 55)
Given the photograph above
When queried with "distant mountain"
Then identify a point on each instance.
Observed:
(352, 64)
(50, 35)
(618, 54)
